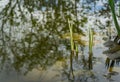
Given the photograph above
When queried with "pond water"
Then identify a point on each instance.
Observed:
(35, 41)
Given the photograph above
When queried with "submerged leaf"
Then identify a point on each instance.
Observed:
(82, 42)
(76, 36)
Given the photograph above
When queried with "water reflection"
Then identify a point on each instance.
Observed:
(31, 43)
(29, 54)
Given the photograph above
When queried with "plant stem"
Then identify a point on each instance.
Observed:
(71, 35)
(90, 40)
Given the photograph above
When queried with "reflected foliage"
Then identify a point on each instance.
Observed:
(30, 30)
(29, 40)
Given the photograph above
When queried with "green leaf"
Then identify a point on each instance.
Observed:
(112, 6)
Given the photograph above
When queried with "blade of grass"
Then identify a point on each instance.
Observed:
(90, 40)
(112, 6)
(71, 35)
(90, 65)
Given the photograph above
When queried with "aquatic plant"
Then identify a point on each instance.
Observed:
(75, 38)
(112, 6)
(71, 35)
(90, 40)
(90, 49)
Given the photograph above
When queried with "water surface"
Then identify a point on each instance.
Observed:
(32, 48)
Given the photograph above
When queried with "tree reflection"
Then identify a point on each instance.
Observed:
(30, 30)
